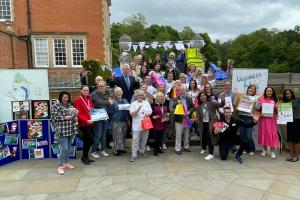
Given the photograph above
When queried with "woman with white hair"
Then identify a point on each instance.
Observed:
(160, 117)
(139, 109)
(119, 120)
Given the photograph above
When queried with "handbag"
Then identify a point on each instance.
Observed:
(147, 123)
(179, 110)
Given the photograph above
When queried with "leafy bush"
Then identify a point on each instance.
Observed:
(95, 69)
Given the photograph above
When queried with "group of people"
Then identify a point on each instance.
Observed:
(182, 106)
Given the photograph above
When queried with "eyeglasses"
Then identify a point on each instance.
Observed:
(101, 86)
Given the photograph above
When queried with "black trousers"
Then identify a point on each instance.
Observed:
(225, 146)
(206, 139)
(87, 140)
(157, 138)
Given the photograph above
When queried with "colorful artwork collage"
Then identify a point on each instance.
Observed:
(34, 109)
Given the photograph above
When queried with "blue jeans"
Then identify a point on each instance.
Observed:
(100, 135)
(164, 138)
(65, 145)
(246, 133)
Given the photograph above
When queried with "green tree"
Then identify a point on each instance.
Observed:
(187, 33)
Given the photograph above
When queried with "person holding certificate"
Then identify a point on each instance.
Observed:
(101, 100)
(246, 132)
(267, 136)
(120, 118)
(83, 104)
(293, 128)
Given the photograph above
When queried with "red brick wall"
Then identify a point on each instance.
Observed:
(19, 49)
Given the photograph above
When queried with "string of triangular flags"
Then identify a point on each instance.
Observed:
(179, 45)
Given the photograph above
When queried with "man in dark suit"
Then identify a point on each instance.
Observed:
(126, 82)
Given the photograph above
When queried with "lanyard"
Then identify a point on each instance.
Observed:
(86, 104)
(161, 109)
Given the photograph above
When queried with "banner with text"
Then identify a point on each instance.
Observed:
(242, 78)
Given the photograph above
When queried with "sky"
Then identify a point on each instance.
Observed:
(221, 19)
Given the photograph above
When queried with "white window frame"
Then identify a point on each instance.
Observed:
(35, 56)
(66, 51)
(11, 12)
(84, 49)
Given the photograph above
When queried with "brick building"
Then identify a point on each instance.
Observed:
(54, 34)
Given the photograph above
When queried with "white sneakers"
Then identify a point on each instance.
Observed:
(264, 153)
(104, 153)
(209, 157)
(95, 155)
(203, 151)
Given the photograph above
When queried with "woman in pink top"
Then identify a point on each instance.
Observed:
(268, 125)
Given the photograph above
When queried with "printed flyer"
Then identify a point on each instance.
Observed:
(285, 113)
(246, 103)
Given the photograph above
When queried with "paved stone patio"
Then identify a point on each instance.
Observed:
(169, 176)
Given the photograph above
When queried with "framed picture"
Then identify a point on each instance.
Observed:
(20, 110)
(40, 109)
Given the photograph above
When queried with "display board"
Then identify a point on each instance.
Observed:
(21, 85)
(34, 139)
(242, 78)
(9, 142)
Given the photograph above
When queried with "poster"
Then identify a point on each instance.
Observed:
(3, 128)
(285, 113)
(36, 153)
(29, 144)
(242, 78)
(4, 152)
(40, 109)
(11, 139)
(21, 85)
(35, 129)
(246, 103)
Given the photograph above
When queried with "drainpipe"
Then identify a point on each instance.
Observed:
(29, 45)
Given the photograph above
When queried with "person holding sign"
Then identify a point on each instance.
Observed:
(83, 104)
(267, 136)
(139, 110)
(293, 128)
(244, 107)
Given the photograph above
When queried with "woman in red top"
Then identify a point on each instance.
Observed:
(83, 104)
(159, 117)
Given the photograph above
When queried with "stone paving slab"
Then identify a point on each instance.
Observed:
(168, 177)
